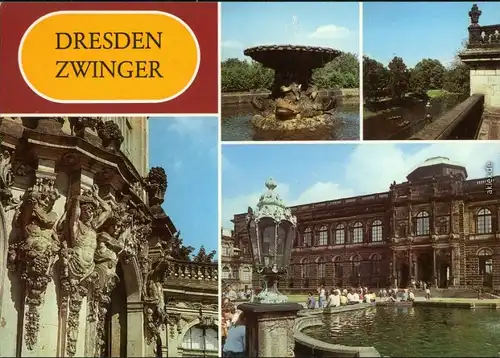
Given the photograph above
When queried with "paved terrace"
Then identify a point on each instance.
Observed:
(490, 127)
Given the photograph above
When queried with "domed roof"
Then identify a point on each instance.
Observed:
(271, 205)
(437, 167)
(439, 160)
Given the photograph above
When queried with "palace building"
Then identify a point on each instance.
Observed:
(438, 227)
(236, 269)
(91, 265)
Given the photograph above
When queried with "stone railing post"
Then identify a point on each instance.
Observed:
(269, 331)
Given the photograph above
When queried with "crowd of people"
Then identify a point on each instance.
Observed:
(336, 297)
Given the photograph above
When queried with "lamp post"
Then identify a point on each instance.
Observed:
(270, 319)
(271, 229)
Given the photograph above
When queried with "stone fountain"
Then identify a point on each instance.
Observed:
(293, 110)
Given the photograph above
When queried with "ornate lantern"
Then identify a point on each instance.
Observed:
(271, 229)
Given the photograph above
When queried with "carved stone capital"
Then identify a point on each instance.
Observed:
(173, 321)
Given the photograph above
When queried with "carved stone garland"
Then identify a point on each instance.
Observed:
(35, 251)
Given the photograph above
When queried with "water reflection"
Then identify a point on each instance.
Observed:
(236, 126)
(415, 331)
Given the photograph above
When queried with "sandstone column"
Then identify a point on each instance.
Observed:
(270, 329)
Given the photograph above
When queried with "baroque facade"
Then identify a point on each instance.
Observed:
(236, 269)
(437, 226)
(89, 263)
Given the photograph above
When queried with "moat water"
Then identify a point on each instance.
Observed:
(236, 126)
(382, 127)
(415, 331)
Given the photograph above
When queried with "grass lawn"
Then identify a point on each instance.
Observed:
(297, 298)
(434, 93)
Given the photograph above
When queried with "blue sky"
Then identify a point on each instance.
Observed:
(319, 172)
(417, 30)
(186, 147)
(329, 24)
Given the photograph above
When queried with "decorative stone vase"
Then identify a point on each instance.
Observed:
(49, 125)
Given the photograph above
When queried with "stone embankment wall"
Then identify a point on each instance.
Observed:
(307, 346)
(246, 97)
(461, 122)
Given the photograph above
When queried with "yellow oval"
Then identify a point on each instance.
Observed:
(109, 56)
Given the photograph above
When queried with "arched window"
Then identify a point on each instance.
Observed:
(200, 339)
(322, 235)
(305, 268)
(246, 274)
(422, 223)
(226, 273)
(340, 234)
(356, 268)
(483, 221)
(377, 231)
(307, 237)
(338, 268)
(486, 266)
(357, 233)
(321, 267)
(375, 269)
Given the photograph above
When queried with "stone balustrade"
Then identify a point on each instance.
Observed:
(461, 122)
(184, 270)
(484, 37)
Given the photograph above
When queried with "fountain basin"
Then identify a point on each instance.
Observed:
(308, 346)
(286, 56)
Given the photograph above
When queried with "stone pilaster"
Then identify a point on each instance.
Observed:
(135, 329)
(270, 329)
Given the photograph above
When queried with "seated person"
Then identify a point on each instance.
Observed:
(343, 300)
(411, 296)
(355, 298)
(404, 296)
(333, 299)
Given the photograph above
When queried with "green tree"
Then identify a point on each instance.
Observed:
(398, 77)
(244, 76)
(375, 78)
(203, 257)
(427, 74)
(342, 72)
(457, 77)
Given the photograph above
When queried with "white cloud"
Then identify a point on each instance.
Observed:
(371, 168)
(187, 126)
(231, 44)
(330, 32)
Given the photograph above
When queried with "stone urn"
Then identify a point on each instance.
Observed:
(49, 125)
